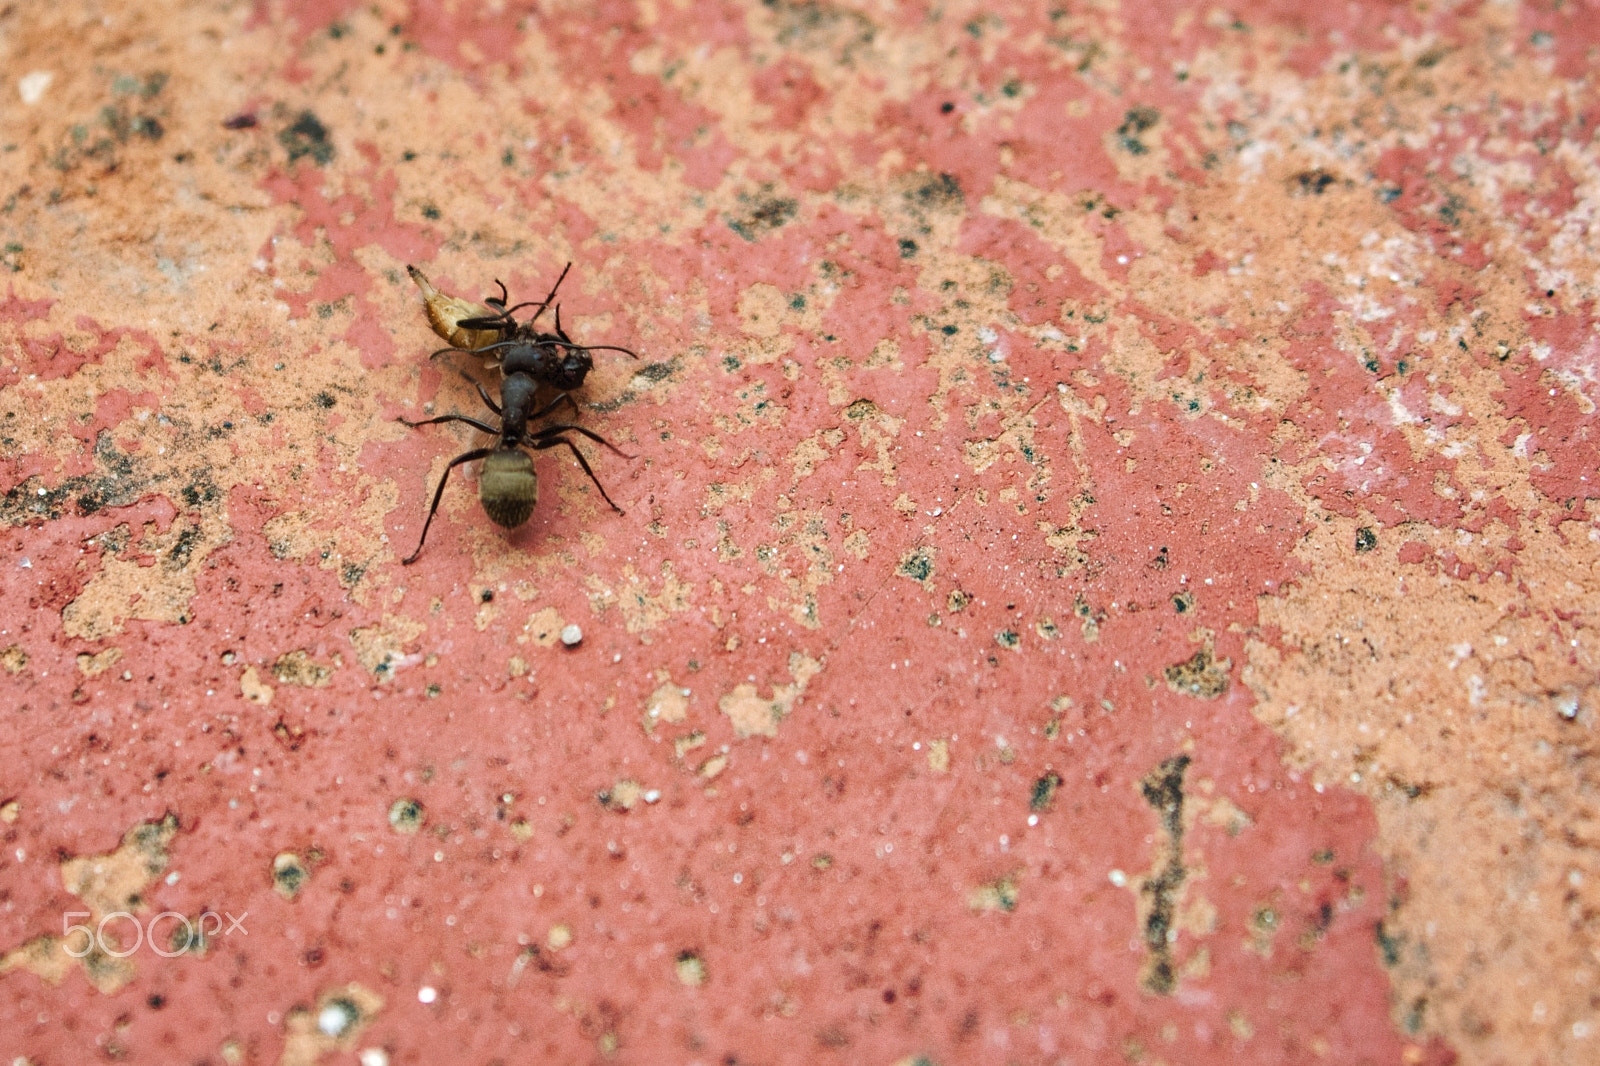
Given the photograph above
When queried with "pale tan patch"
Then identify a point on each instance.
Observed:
(690, 969)
(253, 688)
(642, 609)
(720, 494)
(542, 629)
(1224, 815)
(380, 648)
(762, 309)
(292, 536)
(813, 450)
(685, 744)
(939, 756)
(289, 874)
(753, 715)
(997, 895)
(1200, 675)
(14, 659)
(46, 957)
(124, 590)
(624, 795)
(109, 884)
(116, 881)
(919, 565)
(334, 1025)
(668, 703)
(99, 663)
(884, 355)
(878, 430)
(1462, 708)
(299, 668)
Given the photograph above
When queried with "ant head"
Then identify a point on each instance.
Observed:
(554, 364)
(569, 366)
(508, 487)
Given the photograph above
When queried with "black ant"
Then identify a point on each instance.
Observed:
(550, 358)
(507, 485)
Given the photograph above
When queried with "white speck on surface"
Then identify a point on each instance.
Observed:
(336, 1018)
(571, 636)
(374, 1056)
(31, 86)
(427, 994)
(1118, 878)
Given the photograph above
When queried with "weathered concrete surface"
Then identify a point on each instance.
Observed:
(1109, 574)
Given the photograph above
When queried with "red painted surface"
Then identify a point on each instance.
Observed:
(830, 878)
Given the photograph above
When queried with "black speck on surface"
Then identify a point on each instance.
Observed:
(307, 137)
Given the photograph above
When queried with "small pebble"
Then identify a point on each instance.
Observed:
(336, 1018)
(571, 636)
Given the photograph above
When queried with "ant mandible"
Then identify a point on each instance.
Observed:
(507, 485)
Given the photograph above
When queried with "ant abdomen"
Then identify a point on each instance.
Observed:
(508, 487)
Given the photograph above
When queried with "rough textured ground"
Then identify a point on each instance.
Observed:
(1110, 569)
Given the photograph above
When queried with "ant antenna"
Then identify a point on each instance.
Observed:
(541, 304)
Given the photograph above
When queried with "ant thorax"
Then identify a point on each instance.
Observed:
(516, 400)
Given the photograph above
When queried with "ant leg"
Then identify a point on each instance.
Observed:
(473, 422)
(540, 445)
(546, 301)
(550, 431)
(527, 303)
(505, 297)
(565, 397)
(499, 321)
(466, 457)
(492, 405)
(473, 351)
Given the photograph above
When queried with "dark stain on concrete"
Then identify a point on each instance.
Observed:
(1163, 790)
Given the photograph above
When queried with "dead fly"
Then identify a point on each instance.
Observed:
(507, 485)
(445, 314)
(516, 347)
